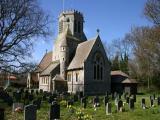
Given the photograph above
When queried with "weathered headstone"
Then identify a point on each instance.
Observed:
(131, 103)
(143, 105)
(2, 113)
(108, 109)
(30, 112)
(120, 105)
(54, 111)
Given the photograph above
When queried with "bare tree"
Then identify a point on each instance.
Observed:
(152, 11)
(20, 22)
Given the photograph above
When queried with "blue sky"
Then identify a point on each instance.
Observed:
(114, 18)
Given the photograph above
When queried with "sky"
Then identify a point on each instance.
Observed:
(114, 18)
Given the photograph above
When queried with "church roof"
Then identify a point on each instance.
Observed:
(50, 68)
(129, 81)
(119, 72)
(81, 54)
(46, 60)
(58, 78)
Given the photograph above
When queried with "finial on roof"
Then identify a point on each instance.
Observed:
(98, 31)
(46, 51)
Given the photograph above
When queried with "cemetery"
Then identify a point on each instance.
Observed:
(25, 104)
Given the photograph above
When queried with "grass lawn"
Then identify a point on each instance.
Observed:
(137, 114)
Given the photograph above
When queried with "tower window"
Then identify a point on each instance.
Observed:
(75, 25)
(79, 26)
(60, 26)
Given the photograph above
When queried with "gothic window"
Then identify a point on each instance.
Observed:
(98, 67)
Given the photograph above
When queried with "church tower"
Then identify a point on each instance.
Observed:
(74, 20)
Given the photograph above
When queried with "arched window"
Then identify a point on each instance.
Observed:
(98, 67)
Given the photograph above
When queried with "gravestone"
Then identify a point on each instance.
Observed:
(37, 92)
(70, 102)
(106, 100)
(17, 96)
(151, 102)
(108, 109)
(17, 107)
(30, 112)
(158, 101)
(32, 91)
(143, 105)
(116, 101)
(127, 100)
(75, 98)
(154, 96)
(51, 99)
(96, 101)
(30, 97)
(2, 113)
(84, 102)
(131, 103)
(134, 97)
(125, 96)
(115, 95)
(37, 103)
(54, 111)
(44, 97)
(120, 105)
(80, 94)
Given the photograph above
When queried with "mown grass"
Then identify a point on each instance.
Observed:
(152, 113)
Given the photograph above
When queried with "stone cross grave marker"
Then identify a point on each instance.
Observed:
(2, 113)
(54, 111)
(30, 112)
(108, 108)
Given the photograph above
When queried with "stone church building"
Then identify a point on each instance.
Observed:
(75, 64)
